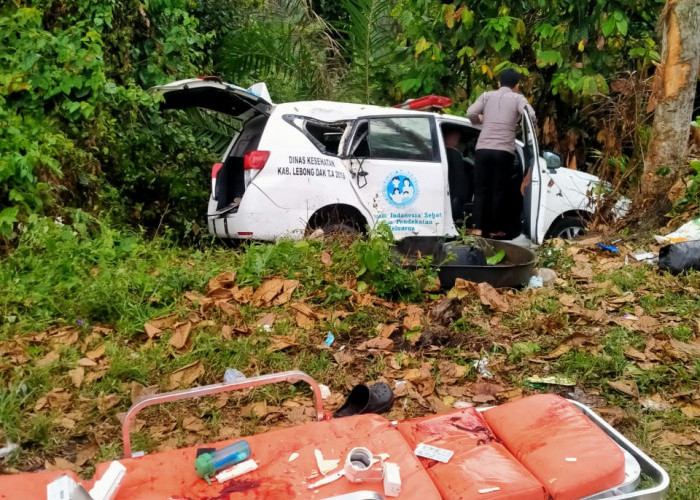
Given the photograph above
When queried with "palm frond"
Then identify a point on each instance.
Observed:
(371, 31)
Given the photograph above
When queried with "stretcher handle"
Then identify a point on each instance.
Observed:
(292, 377)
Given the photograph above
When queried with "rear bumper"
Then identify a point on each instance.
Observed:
(258, 218)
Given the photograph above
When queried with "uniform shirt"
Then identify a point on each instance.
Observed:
(501, 110)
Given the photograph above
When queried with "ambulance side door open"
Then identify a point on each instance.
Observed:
(397, 173)
(533, 192)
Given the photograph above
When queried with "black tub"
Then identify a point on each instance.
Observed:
(513, 271)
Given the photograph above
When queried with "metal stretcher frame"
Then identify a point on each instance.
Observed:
(208, 390)
(648, 467)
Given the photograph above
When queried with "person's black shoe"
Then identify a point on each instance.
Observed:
(362, 399)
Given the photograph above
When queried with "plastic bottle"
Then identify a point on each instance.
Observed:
(208, 464)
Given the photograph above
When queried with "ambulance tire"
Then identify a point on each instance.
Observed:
(567, 228)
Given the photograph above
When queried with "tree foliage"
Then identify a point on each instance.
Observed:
(78, 129)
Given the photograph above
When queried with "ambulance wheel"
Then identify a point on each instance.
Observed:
(567, 228)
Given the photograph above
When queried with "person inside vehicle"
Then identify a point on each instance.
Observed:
(459, 175)
(499, 112)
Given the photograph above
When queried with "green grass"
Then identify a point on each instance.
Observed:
(118, 280)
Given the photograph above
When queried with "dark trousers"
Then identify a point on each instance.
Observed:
(491, 181)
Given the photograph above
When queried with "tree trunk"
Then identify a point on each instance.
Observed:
(672, 99)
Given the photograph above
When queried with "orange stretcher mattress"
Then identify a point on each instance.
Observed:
(170, 474)
(566, 451)
(481, 467)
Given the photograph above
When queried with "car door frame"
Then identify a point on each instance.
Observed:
(536, 180)
(357, 172)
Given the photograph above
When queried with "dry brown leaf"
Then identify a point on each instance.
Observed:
(483, 387)
(668, 438)
(386, 331)
(633, 353)
(227, 308)
(77, 375)
(227, 332)
(87, 362)
(157, 325)
(304, 321)
(380, 343)
(462, 289)
(181, 335)
(267, 320)
(558, 352)
(65, 336)
(257, 409)
(450, 372)
(66, 423)
(326, 259)
(243, 295)
(151, 330)
(96, 353)
(287, 289)
(691, 411)
(303, 309)
(58, 398)
(483, 398)
(106, 402)
(138, 391)
(690, 348)
(567, 300)
(185, 376)
(224, 280)
(61, 464)
(85, 454)
(582, 273)
(511, 395)
(280, 342)
(343, 357)
(193, 424)
(50, 358)
(413, 318)
(612, 414)
(489, 296)
(268, 291)
(628, 387)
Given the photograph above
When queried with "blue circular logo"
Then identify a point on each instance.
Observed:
(401, 190)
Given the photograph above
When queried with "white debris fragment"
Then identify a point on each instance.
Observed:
(7, 449)
(488, 490)
(325, 391)
(237, 470)
(462, 404)
(325, 466)
(293, 457)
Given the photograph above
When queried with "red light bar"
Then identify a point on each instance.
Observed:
(426, 102)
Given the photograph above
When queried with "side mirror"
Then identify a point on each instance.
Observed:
(552, 159)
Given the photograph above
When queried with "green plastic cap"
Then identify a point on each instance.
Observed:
(204, 466)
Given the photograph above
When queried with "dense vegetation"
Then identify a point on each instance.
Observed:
(79, 130)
